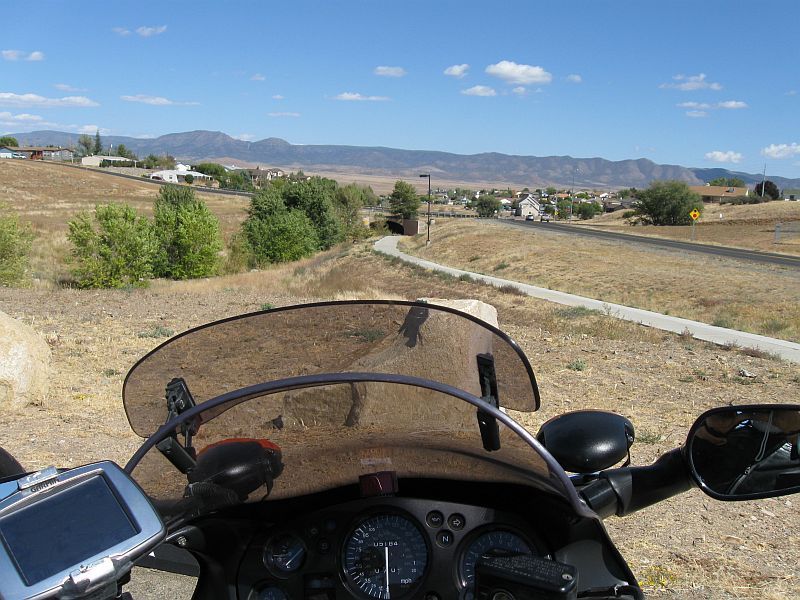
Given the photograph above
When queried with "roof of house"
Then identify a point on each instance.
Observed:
(718, 190)
(36, 148)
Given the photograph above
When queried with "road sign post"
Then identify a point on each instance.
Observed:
(695, 214)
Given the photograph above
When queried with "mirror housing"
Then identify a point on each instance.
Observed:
(746, 452)
(587, 441)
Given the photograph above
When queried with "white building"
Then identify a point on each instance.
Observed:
(528, 205)
(178, 175)
(94, 161)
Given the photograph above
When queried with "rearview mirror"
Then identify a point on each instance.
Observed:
(746, 452)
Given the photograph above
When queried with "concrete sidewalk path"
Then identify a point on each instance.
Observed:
(719, 335)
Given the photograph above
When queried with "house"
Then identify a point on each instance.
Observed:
(7, 152)
(715, 193)
(261, 177)
(94, 161)
(528, 205)
(179, 175)
(790, 194)
(41, 152)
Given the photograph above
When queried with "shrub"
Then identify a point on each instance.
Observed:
(187, 235)
(188, 178)
(587, 210)
(667, 203)
(118, 253)
(15, 242)
(284, 236)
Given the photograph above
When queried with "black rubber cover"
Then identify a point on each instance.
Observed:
(587, 441)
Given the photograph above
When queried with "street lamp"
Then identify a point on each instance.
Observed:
(428, 175)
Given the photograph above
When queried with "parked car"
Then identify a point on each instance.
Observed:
(545, 217)
(530, 218)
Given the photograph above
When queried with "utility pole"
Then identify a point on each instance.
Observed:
(428, 175)
(763, 179)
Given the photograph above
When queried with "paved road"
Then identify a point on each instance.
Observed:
(724, 251)
(718, 335)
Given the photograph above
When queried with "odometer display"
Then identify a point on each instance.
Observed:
(385, 556)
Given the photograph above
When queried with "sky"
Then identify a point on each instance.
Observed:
(711, 83)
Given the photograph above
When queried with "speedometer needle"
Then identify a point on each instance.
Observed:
(386, 553)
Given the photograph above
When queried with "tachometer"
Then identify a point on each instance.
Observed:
(385, 556)
(490, 543)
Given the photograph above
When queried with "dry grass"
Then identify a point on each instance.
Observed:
(740, 295)
(750, 226)
(49, 195)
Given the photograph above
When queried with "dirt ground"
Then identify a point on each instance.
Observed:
(689, 546)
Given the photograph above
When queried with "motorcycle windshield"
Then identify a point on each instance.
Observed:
(414, 339)
(263, 445)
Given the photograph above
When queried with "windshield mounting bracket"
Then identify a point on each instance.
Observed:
(490, 430)
(179, 400)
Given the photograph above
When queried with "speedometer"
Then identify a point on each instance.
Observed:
(385, 556)
(490, 543)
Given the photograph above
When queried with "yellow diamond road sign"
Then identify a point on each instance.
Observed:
(694, 214)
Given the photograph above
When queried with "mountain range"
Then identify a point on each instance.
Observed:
(502, 169)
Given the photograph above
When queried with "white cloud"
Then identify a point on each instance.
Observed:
(25, 100)
(694, 105)
(12, 55)
(724, 157)
(156, 100)
(731, 104)
(791, 93)
(782, 150)
(390, 71)
(479, 90)
(257, 77)
(356, 97)
(574, 78)
(65, 87)
(277, 97)
(512, 72)
(457, 71)
(151, 31)
(121, 31)
(283, 114)
(696, 114)
(7, 117)
(245, 137)
(688, 83)
(519, 91)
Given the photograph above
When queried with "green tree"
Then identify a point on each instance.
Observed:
(98, 145)
(587, 210)
(15, 243)
(116, 254)
(728, 182)
(667, 203)
(628, 193)
(276, 234)
(188, 178)
(403, 201)
(770, 190)
(7, 140)
(563, 208)
(315, 197)
(85, 145)
(124, 152)
(349, 200)
(187, 235)
(487, 206)
(551, 191)
(212, 169)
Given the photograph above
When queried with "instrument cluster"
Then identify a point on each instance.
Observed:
(382, 548)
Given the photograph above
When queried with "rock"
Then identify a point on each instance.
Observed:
(24, 364)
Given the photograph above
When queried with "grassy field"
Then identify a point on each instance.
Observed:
(750, 226)
(735, 294)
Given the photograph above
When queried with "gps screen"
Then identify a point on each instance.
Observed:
(65, 529)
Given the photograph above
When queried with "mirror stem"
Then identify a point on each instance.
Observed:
(626, 490)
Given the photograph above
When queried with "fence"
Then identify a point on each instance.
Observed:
(786, 230)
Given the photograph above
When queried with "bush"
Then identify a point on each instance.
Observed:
(118, 253)
(15, 242)
(189, 178)
(587, 210)
(276, 234)
(667, 203)
(187, 235)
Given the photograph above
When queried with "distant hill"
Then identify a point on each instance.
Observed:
(531, 171)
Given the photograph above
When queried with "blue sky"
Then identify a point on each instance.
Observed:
(697, 83)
